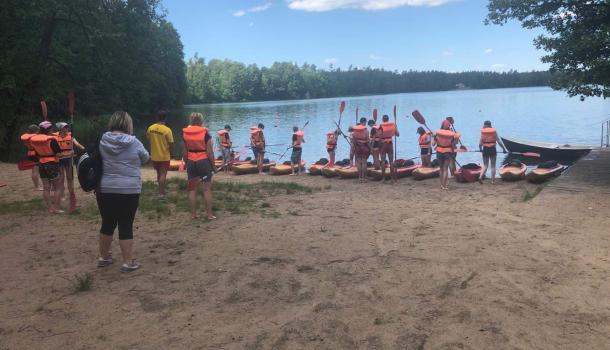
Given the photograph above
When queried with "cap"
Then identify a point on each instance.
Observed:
(60, 125)
(45, 125)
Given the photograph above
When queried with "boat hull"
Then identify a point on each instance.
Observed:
(547, 150)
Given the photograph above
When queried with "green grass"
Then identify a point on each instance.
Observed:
(527, 196)
(82, 283)
(28, 206)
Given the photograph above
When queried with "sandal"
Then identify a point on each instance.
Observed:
(132, 266)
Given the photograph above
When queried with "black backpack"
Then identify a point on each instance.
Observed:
(89, 170)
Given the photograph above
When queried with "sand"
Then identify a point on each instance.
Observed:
(369, 266)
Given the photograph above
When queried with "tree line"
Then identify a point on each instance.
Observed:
(230, 81)
(114, 54)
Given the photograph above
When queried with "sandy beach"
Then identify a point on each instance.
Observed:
(344, 266)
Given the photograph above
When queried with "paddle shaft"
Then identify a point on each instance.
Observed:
(292, 146)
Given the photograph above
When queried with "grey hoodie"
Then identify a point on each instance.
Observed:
(122, 156)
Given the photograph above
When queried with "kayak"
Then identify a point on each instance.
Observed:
(25, 165)
(468, 175)
(400, 172)
(249, 168)
(423, 173)
(512, 173)
(282, 169)
(540, 175)
(329, 172)
(316, 169)
(350, 172)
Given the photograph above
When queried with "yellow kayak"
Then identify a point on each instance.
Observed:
(423, 173)
(248, 168)
(283, 169)
(400, 172)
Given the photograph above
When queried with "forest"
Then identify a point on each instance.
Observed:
(230, 81)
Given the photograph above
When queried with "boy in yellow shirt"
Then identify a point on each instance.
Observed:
(161, 142)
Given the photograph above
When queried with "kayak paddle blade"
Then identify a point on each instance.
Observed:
(342, 107)
(418, 117)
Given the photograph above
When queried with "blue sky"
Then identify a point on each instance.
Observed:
(444, 35)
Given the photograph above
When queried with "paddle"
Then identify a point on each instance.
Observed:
(356, 115)
(44, 110)
(341, 109)
(451, 121)
(396, 126)
(525, 154)
(289, 147)
(375, 115)
(71, 105)
(342, 134)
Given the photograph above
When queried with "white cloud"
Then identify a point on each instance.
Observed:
(259, 8)
(447, 53)
(369, 5)
(331, 60)
(488, 51)
(498, 66)
(375, 57)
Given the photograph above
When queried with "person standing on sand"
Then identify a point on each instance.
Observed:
(445, 140)
(226, 147)
(454, 154)
(331, 146)
(298, 138)
(487, 146)
(47, 151)
(352, 148)
(257, 142)
(362, 148)
(375, 142)
(199, 151)
(31, 154)
(67, 142)
(118, 195)
(425, 146)
(388, 131)
(161, 141)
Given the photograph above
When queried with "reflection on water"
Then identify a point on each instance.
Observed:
(525, 113)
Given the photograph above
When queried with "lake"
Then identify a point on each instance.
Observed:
(527, 113)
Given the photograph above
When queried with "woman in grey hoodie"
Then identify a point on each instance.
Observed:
(119, 191)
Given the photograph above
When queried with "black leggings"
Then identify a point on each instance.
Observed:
(117, 209)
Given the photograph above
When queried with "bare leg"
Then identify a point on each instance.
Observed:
(105, 244)
(207, 199)
(331, 161)
(392, 168)
(70, 181)
(193, 199)
(58, 185)
(493, 168)
(126, 250)
(452, 165)
(36, 178)
(162, 179)
(60, 189)
(46, 195)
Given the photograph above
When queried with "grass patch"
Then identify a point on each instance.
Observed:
(528, 196)
(21, 206)
(82, 283)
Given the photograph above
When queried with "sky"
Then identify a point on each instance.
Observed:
(447, 35)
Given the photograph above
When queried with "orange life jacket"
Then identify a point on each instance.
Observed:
(389, 131)
(25, 138)
(224, 138)
(359, 133)
(65, 143)
(425, 140)
(300, 135)
(377, 136)
(488, 137)
(194, 142)
(331, 140)
(445, 140)
(42, 146)
(256, 136)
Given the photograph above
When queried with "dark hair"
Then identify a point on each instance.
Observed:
(371, 122)
(362, 120)
(161, 115)
(385, 118)
(228, 126)
(487, 123)
(261, 126)
(295, 128)
(421, 130)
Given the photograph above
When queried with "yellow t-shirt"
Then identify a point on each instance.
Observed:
(160, 137)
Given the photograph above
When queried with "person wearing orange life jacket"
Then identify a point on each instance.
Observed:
(66, 160)
(31, 154)
(375, 135)
(425, 146)
(487, 146)
(388, 131)
(362, 148)
(199, 154)
(445, 140)
(331, 146)
(257, 142)
(298, 138)
(47, 151)
(226, 147)
(352, 148)
(453, 159)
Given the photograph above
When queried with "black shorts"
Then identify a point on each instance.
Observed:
(65, 162)
(296, 155)
(199, 169)
(444, 157)
(375, 145)
(489, 151)
(425, 151)
(49, 171)
(258, 151)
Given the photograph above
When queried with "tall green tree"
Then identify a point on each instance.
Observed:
(577, 43)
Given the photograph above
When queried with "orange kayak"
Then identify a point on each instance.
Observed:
(423, 173)
(316, 169)
(282, 169)
(329, 172)
(248, 168)
(512, 173)
(400, 172)
(468, 175)
(540, 175)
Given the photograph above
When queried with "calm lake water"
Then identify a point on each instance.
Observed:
(526, 113)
